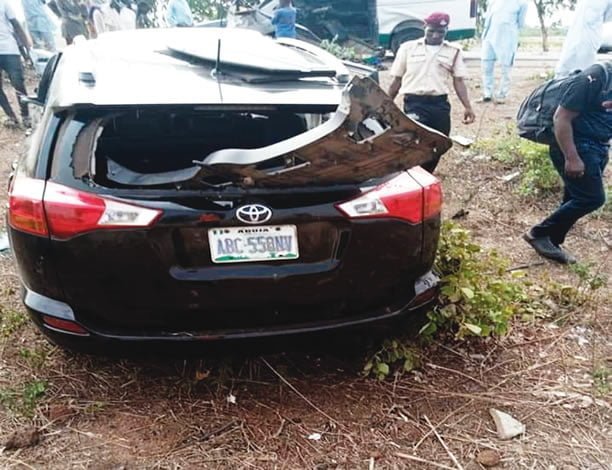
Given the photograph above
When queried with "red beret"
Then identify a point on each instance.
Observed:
(438, 19)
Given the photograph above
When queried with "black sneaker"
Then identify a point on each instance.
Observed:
(544, 247)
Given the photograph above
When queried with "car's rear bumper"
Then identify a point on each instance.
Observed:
(107, 342)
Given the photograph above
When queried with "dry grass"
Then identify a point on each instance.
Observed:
(302, 410)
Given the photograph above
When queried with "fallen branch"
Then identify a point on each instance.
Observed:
(453, 371)
(298, 393)
(446, 418)
(419, 459)
(448, 451)
(525, 266)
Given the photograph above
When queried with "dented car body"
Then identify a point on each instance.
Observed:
(243, 188)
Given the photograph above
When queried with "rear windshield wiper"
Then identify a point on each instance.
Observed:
(251, 74)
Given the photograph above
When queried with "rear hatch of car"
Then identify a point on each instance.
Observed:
(201, 219)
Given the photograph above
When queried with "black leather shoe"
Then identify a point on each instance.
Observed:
(571, 259)
(544, 247)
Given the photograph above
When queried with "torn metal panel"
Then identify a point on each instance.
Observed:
(84, 152)
(346, 149)
(122, 175)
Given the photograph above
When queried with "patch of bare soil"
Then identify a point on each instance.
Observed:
(303, 410)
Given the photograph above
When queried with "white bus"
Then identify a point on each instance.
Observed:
(387, 23)
(402, 20)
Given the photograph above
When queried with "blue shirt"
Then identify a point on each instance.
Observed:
(284, 21)
(179, 13)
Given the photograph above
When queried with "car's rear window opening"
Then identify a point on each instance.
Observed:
(124, 148)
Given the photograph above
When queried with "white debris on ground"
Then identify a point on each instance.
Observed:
(507, 426)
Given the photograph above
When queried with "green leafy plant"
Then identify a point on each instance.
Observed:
(10, 322)
(478, 298)
(478, 295)
(538, 175)
(343, 53)
(35, 358)
(32, 392)
(502, 146)
(23, 401)
(601, 380)
(390, 353)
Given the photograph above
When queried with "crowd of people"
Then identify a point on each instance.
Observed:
(90, 18)
(86, 18)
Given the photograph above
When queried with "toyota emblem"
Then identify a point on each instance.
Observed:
(253, 214)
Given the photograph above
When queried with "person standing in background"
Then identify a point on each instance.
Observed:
(421, 71)
(284, 20)
(74, 17)
(104, 16)
(39, 24)
(12, 36)
(583, 36)
(503, 21)
(179, 14)
(143, 9)
(583, 129)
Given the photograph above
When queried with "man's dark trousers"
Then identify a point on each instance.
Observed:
(434, 112)
(11, 64)
(581, 196)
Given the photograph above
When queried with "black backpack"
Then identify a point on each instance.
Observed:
(534, 120)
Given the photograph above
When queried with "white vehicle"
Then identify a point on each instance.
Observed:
(606, 38)
(402, 20)
(386, 22)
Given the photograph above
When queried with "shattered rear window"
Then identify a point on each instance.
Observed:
(366, 137)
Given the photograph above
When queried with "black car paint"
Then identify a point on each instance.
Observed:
(106, 293)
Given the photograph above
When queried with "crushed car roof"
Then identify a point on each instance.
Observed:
(179, 66)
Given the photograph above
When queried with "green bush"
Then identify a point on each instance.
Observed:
(538, 175)
(392, 352)
(24, 399)
(10, 322)
(343, 53)
(478, 297)
(502, 146)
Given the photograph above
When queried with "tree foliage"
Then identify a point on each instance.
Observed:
(208, 9)
(213, 9)
(545, 8)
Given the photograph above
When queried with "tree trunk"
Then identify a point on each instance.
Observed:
(543, 28)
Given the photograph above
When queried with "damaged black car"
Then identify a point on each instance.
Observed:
(196, 185)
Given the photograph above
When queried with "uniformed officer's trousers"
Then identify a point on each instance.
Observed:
(434, 112)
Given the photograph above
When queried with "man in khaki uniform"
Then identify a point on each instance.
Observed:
(421, 72)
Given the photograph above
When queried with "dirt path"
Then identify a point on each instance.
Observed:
(551, 373)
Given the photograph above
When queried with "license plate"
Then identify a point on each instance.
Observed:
(245, 244)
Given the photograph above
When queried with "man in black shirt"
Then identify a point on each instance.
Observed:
(583, 128)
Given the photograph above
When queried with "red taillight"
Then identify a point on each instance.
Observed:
(66, 326)
(26, 211)
(69, 212)
(432, 191)
(412, 196)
